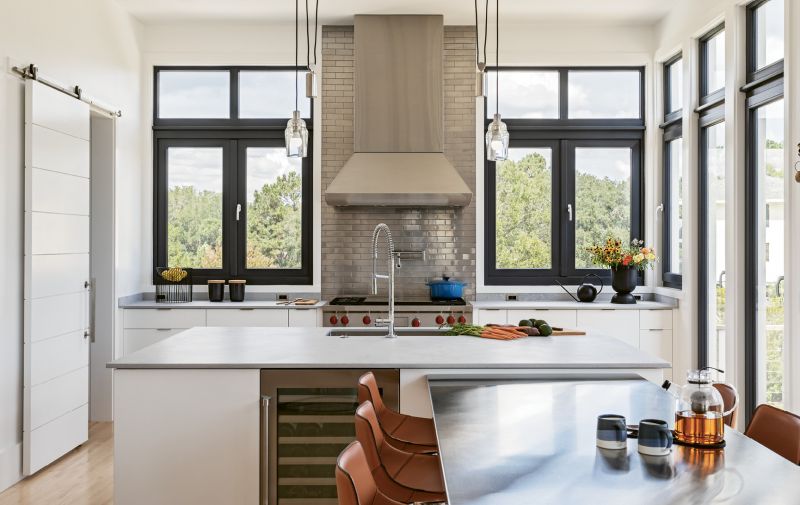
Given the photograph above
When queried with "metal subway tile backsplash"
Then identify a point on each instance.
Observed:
(446, 234)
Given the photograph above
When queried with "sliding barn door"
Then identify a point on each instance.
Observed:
(57, 241)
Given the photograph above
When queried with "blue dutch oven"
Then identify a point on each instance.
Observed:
(446, 289)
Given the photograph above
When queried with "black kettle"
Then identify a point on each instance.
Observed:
(586, 292)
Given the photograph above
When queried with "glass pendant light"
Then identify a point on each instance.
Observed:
(296, 133)
(497, 133)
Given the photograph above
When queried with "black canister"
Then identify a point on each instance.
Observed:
(216, 290)
(236, 287)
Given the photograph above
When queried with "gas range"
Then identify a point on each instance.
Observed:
(409, 312)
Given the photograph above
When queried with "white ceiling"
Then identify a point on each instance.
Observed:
(455, 11)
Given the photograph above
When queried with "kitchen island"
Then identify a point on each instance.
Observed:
(192, 419)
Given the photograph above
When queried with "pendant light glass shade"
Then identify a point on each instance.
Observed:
(497, 140)
(296, 137)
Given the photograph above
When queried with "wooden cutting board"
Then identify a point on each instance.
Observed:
(566, 332)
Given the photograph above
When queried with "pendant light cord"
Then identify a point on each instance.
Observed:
(308, 42)
(496, 57)
(477, 34)
(296, 48)
(316, 25)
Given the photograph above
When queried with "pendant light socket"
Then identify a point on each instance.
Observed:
(480, 80)
(311, 84)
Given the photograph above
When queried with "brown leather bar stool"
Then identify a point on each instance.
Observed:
(354, 482)
(409, 433)
(730, 400)
(777, 430)
(400, 475)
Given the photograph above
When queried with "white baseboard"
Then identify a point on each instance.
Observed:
(10, 466)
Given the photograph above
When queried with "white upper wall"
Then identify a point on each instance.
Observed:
(93, 43)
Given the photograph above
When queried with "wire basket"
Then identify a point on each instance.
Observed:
(173, 285)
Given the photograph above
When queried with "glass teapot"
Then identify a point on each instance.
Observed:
(700, 409)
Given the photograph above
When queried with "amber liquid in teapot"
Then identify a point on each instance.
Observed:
(700, 429)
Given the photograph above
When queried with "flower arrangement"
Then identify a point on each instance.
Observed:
(614, 255)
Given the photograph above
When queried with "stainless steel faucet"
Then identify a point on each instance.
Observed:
(389, 322)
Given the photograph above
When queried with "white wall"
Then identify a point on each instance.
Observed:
(95, 44)
(222, 43)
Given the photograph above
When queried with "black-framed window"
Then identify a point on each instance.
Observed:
(673, 199)
(765, 186)
(228, 202)
(712, 66)
(574, 174)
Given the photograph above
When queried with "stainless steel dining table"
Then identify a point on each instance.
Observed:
(532, 442)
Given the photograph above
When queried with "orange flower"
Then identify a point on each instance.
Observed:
(627, 260)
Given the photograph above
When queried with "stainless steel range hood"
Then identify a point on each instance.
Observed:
(398, 155)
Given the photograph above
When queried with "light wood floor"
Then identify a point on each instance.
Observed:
(85, 476)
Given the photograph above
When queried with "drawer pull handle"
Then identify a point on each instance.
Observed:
(163, 329)
(248, 309)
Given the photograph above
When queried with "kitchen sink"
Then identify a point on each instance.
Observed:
(381, 332)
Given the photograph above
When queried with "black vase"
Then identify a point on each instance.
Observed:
(623, 280)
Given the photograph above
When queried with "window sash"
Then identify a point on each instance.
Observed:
(669, 278)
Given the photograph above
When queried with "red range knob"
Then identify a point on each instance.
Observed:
(415, 322)
(366, 320)
(345, 320)
(462, 319)
(451, 319)
(334, 320)
(439, 319)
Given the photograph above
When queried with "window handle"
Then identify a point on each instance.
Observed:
(660, 207)
(569, 211)
(238, 210)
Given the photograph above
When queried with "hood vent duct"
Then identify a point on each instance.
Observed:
(398, 155)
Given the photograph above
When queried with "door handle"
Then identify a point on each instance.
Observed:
(569, 211)
(265, 446)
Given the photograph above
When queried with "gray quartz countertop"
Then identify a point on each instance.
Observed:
(205, 304)
(561, 305)
(222, 347)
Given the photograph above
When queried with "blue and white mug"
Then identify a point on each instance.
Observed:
(655, 437)
(612, 432)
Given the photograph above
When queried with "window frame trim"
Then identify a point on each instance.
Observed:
(230, 132)
(669, 279)
(563, 131)
(715, 95)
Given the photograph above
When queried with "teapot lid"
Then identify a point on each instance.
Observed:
(702, 376)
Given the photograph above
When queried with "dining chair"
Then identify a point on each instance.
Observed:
(400, 475)
(730, 400)
(354, 482)
(405, 432)
(776, 429)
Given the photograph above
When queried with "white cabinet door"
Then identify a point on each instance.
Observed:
(135, 339)
(655, 319)
(558, 318)
(247, 317)
(56, 276)
(491, 316)
(657, 342)
(621, 324)
(164, 318)
(304, 317)
(187, 437)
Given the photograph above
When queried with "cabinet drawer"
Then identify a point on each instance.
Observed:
(304, 317)
(621, 324)
(491, 316)
(655, 319)
(133, 340)
(164, 318)
(556, 317)
(657, 342)
(248, 317)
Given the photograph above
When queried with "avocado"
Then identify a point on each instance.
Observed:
(525, 322)
(545, 330)
(538, 322)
